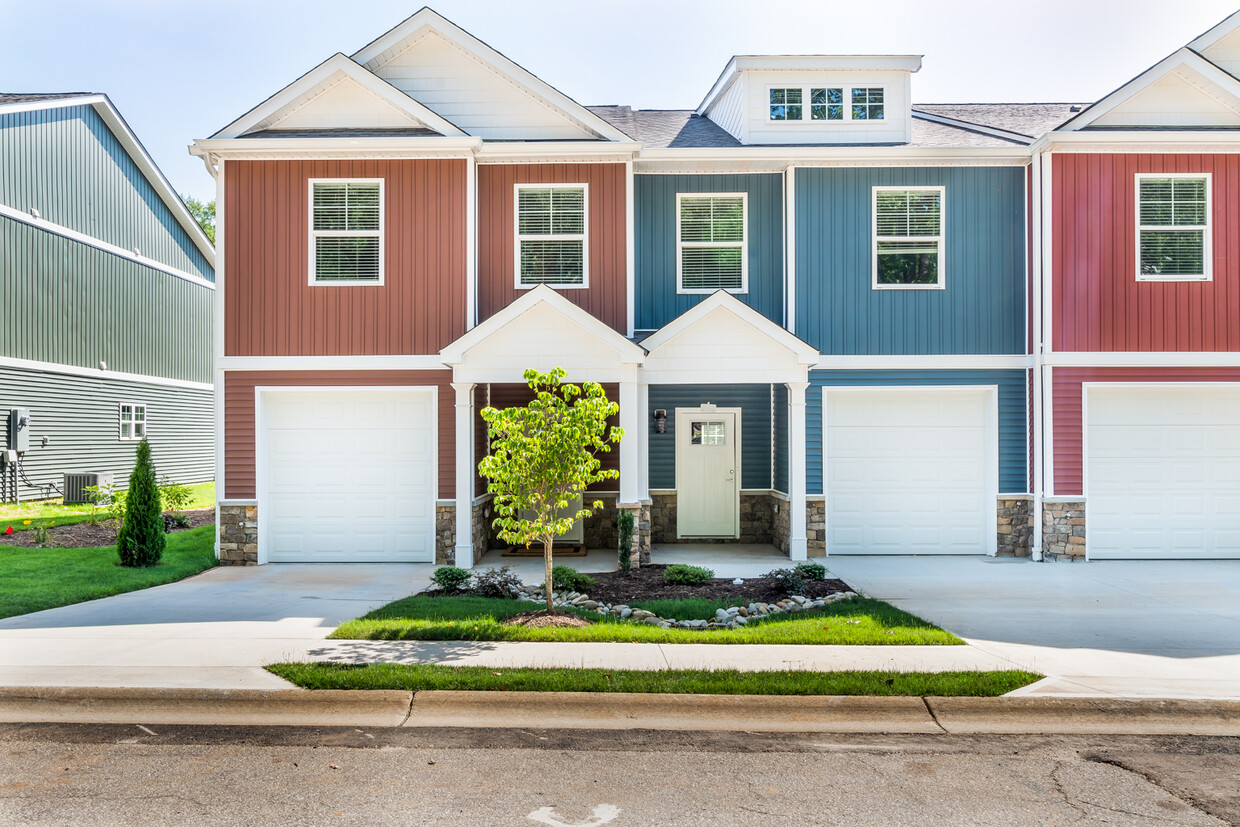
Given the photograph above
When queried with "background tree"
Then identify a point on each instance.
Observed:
(140, 542)
(203, 213)
(545, 455)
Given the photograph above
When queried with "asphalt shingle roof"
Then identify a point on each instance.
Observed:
(1031, 119)
(33, 97)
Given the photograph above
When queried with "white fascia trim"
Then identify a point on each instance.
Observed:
(327, 363)
(838, 63)
(270, 149)
(726, 78)
(494, 59)
(894, 155)
(95, 373)
(801, 352)
(99, 244)
(339, 63)
(103, 106)
(945, 362)
(251, 502)
(1201, 359)
(1215, 33)
(1141, 141)
(558, 152)
(969, 126)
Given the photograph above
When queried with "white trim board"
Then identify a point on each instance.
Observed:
(325, 363)
(99, 244)
(95, 373)
(924, 362)
(1186, 359)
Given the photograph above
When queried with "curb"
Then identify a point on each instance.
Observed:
(611, 711)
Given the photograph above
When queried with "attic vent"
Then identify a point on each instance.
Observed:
(1074, 109)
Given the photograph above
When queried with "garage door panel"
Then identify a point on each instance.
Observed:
(907, 471)
(1163, 470)
(349, 475)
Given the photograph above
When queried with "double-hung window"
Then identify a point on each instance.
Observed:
(1173, 227)
(711, 247)
(346, 231)
(551, 244)
(132, 421)
(908, 237)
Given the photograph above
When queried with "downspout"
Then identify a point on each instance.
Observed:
(1035, 277)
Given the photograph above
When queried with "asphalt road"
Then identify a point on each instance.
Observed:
(165, 775)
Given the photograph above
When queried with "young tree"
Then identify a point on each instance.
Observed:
(140, 542)
(203, 212)
(543, 456)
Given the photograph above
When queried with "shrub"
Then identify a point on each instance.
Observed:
(812, 571)
(624, 526)
(39, 534)
(172, 521)
(789, 581)
(175, 497)
(683, 575)
(567, 579)
(495, 583)
(450, 578)
(140, 542)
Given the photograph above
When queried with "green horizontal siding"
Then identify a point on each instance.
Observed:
(981, 308)
(68, 303)
(67, 164)
(79, 416)
(755, 404)
(1013, 414)
(657, 301)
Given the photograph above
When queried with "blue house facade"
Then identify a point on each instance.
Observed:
(108, 289)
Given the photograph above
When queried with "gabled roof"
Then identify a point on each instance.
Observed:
(1221, 85)
(741, 63)
(390, 43)
(337, 69)
(803, 353)
(16, 102)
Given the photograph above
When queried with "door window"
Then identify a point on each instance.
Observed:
(708, 433)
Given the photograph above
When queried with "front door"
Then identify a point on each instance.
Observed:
(708, 472)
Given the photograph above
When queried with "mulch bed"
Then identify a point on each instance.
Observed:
(647, 583)
(541, 620)
(85, 535)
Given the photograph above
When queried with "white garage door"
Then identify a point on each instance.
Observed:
(1162, 470)
(348, 475)
(910, 471)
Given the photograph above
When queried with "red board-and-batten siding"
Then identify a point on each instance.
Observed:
(272, 310)
(1067, 401)
(1098, 303)
(606, 296)
(239, 452)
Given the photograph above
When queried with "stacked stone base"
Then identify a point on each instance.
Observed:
(1063, 529)
(238, 535)
(1015, 526)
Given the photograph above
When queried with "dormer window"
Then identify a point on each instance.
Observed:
(867, 103)
(826, 103)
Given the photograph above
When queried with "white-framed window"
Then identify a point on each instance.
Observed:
(552, 247)
(346, 231)
(712, 249)
(132, 421)
(867, 103)
(1173, 227)
(825, 103)
(908, 238)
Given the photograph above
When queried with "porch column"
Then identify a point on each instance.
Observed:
(630, 454)
(798, 544)
(464, 474)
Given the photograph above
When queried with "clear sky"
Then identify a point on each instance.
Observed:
(180, 70)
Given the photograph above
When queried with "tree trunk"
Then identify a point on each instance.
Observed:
(547, 587)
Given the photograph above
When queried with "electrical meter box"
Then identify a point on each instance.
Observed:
(19, 430)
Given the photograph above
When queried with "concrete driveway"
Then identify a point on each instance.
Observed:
(213, 630)
(1139, 628)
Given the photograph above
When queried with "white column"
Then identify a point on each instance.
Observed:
(464, 474)
(798, 544)
(643, 442)
(630, 456)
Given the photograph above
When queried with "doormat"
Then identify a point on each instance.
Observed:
(537, 551)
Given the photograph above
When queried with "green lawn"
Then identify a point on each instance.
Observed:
(32, 579)
(689, 608)
(722, 682)
(854, 621)
(46, 511)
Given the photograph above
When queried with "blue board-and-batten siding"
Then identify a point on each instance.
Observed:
(981, 309)
(1012, 386)
(755, 404)
(66, 163)
(68, 303)
(657, 301)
